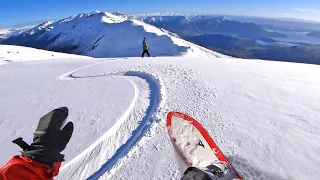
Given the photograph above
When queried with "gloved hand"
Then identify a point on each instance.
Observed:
(49, 138)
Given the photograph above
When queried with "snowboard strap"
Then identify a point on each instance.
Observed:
(21, 143)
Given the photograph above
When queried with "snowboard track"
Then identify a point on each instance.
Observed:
(156, 101)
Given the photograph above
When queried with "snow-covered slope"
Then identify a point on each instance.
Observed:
(263, 115)
(100, 34)
(9, 53)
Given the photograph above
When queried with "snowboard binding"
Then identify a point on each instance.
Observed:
(218, 169)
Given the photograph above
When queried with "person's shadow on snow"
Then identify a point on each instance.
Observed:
(248, 172)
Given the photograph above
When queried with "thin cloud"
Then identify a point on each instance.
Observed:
(286, 14)
(308, 10)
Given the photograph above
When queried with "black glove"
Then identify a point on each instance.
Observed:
(49, 138)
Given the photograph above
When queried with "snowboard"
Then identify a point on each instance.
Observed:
(193, 145)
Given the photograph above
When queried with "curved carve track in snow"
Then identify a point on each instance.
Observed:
(104, 153)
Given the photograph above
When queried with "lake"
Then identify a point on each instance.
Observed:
(295, 37)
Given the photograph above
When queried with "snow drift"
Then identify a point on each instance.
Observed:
(100, 34)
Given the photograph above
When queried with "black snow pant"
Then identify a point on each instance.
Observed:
(145, 51)
(193, 173)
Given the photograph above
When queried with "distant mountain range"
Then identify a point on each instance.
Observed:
(7, 32)
(247, 48)
(100, 34)
(189, 25)
(238, 39)
(286, 24)
(162, 14)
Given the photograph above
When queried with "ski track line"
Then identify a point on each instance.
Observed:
(89, 156)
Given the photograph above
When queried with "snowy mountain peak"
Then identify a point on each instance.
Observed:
(111, 18)
(45, 24)
(94, 14)
(102, 34)
(41, 27)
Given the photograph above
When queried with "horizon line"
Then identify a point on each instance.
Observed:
(173, 13)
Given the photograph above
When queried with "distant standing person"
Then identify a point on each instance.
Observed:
(145, 47)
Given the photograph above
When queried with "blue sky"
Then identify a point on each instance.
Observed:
(14, 12)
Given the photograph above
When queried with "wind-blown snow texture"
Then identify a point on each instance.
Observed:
(263, 115)
(100, 34)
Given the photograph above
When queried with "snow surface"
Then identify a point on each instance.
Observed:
(9, 53)
(263, 115)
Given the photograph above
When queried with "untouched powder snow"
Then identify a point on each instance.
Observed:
(263, 115)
